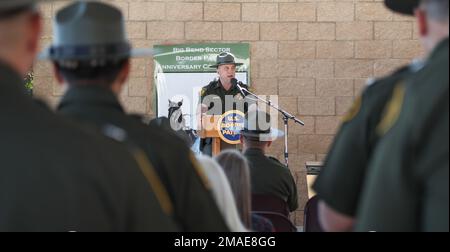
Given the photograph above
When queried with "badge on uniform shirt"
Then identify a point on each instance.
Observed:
(392, 110)
(239, 97)
(202, 92)
(354, 110)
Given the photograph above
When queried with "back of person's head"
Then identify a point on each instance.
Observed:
(80, 73)
(90, 45)
(255, 143)
(437, 10)
(433, 18)
(236, 168)
(20, 28)
(259, 130)
(222, 192)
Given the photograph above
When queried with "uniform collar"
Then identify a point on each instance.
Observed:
(440, 49)
(90, 96)
(219, 85)
(254, 151)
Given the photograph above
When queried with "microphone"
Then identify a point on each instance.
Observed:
(237, 84)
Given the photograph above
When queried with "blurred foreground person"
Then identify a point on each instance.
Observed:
(54, 176)
(222, 193)
(91, 57)
(268, 176)
(340, 183)
(236, 169)
(406, 188)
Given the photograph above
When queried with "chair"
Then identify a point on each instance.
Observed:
(269, 203)
(311, 216)
(261, 224)
(280, 222)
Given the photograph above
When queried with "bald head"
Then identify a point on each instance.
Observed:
(19, 36)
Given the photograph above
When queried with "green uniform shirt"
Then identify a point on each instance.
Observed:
(194, 207)
(215, 96)
(269, 176)
(58, 177)
(214, 92)
(339, 183)
(408, 177)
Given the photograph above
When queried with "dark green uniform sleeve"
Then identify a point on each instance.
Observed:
(145, 211)
(342, 178)
(436, 206)
(287, 184)
(198, 202)
(433, 169)
(194, 206)
(407, 185)
(293, 196)
(145, 203)
(339, 182)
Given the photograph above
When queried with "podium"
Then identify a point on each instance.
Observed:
(209, 128)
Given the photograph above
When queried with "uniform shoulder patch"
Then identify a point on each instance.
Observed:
(203, 91)
(353, 111)
(149, 172)
(144, 164)
(392, 110)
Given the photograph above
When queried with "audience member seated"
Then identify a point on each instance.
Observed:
(262, 224)
(237, 171)
(222, 193)
(268, 175)
(265, 202)
(311, 217)
(280, 222)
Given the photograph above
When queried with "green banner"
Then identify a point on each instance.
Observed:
(198, 58)
(182, 70)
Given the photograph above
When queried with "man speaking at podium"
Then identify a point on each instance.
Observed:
(223, 94)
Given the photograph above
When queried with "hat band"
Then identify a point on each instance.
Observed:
(91, 51)
(15, 11)
(256, 131)
(226, 62)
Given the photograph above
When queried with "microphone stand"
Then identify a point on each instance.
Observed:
(286, 117)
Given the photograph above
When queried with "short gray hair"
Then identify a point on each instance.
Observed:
(436, 9)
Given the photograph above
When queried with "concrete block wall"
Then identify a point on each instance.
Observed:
(315, 54)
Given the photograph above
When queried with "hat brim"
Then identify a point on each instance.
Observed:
(265, 137)
(217, 65)
(134, 53)
(14, 4)
(406, 7)
(10, 5)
